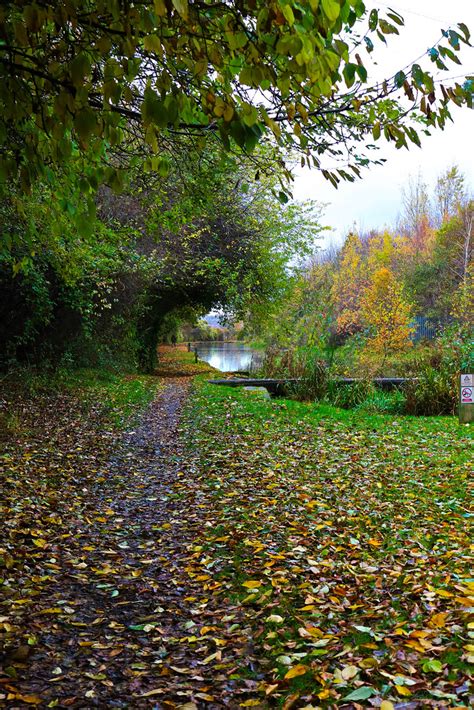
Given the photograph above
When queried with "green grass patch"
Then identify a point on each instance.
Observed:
(343, 536)
(119, 395)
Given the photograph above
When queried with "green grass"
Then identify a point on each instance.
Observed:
(119, 395)
(346, 519)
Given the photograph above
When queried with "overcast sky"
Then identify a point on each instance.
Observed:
(374, 201)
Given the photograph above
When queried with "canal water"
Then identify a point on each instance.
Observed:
(229, 357)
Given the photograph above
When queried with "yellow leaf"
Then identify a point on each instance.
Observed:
(160, 8)
(300, 669)
(269, 689)
(373, 541)
(368, 663)
(387, 705)
(417, 646)
(401, 690)
(205, 629)
(52, 610)
(443, 593)
(40, 542)
(182, 7)
(250, 703)
(438, 620)
(156, 691)
(252, 584)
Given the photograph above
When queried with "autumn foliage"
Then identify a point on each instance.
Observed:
(387, 315)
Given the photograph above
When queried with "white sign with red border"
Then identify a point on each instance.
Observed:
(467, 389)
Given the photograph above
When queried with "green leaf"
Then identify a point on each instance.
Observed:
(181, 6)
(153, 109)
(417, 74)
(85, 123)
(432, 666)
(79, 68)
(331, 9)
(465, 30)
(362, 72)
(400, 78)
(373, 19)
(288, 14)
(349, 74)
(361, 693)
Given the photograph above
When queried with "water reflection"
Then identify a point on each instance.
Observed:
(228, 357)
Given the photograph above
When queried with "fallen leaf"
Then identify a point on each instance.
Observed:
(295, 671)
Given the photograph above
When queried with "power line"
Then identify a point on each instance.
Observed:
(451, 78)
(418, 14)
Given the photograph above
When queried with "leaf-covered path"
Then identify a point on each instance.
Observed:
(233, 551)
(95, 606)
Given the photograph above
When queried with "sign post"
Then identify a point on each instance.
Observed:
(466, 398)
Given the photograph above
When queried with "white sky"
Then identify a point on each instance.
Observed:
(374, 201)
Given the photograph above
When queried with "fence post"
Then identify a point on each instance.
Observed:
(466, 398)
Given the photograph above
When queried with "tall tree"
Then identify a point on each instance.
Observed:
(416, 206)
(349, 284)
(450, 194)
(387, 315)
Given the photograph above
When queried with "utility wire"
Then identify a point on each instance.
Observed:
(404, 10)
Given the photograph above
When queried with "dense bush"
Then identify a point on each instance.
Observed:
(434, 391)
(349, 396)
(431, 391)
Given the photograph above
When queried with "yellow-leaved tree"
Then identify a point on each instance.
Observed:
(387, 315)
(350, 282)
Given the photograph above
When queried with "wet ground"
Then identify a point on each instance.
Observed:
(111, 614)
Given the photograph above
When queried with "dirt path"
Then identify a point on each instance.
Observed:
(114, 620)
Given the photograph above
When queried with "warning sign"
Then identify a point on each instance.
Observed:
(467, 395)
(467, 380)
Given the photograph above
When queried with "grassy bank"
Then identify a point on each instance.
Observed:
(114, 397)
(344, 538)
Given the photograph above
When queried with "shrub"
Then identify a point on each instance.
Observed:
(380, 402)
(433, 392)
(349, 396)
(303, 364)
(314, 382)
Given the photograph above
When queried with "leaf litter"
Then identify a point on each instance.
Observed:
(246, 555)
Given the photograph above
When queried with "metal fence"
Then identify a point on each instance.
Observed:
(427, 328)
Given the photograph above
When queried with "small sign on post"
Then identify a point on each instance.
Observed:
(466, 398)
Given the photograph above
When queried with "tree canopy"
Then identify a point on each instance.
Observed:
(113, 82)
(202, 237)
